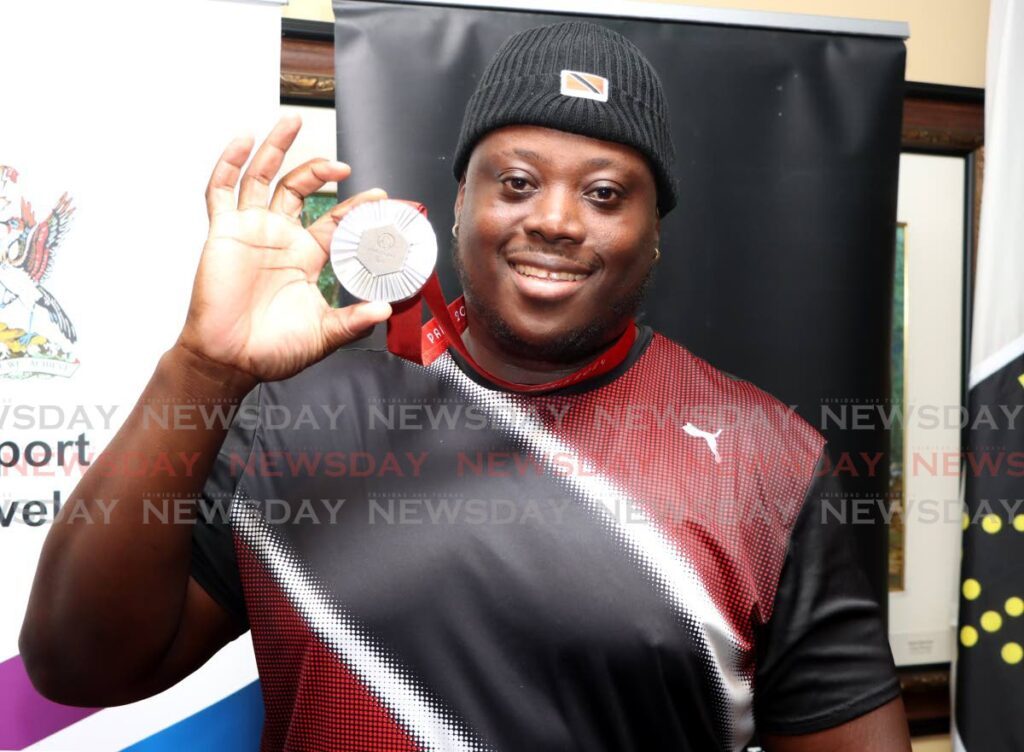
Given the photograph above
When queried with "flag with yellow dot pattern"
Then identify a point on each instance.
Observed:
(990, 656)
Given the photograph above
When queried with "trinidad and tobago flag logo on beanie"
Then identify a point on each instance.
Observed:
(584, 85)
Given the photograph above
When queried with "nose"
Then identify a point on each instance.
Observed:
(555, 216)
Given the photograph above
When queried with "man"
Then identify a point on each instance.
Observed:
(571, 563)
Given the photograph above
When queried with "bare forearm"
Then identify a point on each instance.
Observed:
(112, 578)
(881, 730)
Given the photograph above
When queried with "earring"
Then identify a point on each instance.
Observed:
(657, 255)
(455, 230)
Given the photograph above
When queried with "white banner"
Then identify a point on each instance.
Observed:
(113, 117)
(997, 334)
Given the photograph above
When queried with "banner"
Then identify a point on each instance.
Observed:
(112, 121)
(777, 263)
(989, 668)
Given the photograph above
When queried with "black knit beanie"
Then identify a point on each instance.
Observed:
(581, 78)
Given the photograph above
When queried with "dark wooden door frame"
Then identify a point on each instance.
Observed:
(950, 121)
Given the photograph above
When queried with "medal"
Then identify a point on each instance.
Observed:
(383, 250)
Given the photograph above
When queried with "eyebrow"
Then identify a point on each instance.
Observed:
(527, 154)
(595, 164)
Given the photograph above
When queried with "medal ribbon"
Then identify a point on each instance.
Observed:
(422, 344)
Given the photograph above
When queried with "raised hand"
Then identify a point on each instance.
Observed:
(256, 308)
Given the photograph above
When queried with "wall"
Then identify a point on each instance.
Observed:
(946, 46)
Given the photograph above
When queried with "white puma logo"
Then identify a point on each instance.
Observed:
(710, 438)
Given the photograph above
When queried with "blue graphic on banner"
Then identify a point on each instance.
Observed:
(234, 723)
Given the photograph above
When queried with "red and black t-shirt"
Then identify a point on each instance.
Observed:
(637, 562)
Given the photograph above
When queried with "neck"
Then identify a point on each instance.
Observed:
(521, 369)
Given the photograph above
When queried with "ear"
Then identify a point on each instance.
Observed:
(460, 197)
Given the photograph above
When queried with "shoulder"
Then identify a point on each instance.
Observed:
(755, 417)
(748, 458)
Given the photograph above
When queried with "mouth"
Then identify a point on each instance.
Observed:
(548, 278)
(537, 272)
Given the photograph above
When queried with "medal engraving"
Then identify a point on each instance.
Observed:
(382, 250)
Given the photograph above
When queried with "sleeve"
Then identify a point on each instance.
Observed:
(214, 565)
(823, 658)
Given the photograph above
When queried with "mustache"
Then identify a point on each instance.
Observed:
(551, 251)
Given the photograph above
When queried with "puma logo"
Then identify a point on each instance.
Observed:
(710, 438)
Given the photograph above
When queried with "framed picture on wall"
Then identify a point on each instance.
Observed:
(897, 442)
(927, 392)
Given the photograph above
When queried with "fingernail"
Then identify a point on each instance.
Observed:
(378, 309)
(339, 165)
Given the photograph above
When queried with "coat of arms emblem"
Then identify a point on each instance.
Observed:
(36, 334)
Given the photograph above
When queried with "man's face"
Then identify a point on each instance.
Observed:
(556, 241)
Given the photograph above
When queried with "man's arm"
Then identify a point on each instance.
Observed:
(114, 615)
(824, 676)
(881, 730)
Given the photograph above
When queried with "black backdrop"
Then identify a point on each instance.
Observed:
(776, 265)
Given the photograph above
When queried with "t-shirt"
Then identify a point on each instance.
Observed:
(640, 561)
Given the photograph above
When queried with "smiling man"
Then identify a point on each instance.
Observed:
(571, 233)
(612, 561)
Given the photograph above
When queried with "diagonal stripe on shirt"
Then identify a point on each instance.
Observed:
(419, 713)
(668, 568)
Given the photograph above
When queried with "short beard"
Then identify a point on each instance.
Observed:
(570, 348)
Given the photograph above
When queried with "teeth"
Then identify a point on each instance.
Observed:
(536, 271)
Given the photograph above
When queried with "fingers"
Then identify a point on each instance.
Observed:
(220, 191)
(344, 325)
(303, 181)
(323, 228)
(255, 187)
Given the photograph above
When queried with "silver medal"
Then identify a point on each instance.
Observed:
(383, 250)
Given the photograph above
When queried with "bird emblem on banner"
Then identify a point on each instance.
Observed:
(36, 334)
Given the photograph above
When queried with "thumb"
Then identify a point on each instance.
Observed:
(344, 325)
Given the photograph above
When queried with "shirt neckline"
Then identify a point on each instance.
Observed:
(643, 339)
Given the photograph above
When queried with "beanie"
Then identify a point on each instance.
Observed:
(576, 77)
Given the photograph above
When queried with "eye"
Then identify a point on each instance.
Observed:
(516, 183)
(605, 194)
